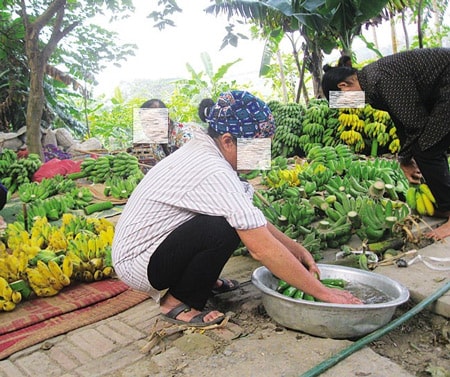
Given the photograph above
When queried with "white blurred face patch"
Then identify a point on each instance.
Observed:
(151, 125)
(355, 99)
(254, 154)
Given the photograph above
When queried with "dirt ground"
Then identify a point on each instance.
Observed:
(420, 347)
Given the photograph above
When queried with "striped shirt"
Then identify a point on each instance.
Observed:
(196, 179)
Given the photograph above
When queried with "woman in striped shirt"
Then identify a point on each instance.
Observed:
(191, 211)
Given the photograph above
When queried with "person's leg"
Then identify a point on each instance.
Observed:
(433, 164)
(434, 167)
(190, 259)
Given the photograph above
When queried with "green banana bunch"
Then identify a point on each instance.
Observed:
(31, 191)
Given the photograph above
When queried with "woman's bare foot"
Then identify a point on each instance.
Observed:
(169, 302)
(440, 232)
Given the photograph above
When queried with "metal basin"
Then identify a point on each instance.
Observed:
(327, 320)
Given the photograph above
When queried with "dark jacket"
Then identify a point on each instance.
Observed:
(3, 195)
(414, 87)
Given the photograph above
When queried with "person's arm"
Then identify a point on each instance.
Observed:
(271, 252)
(303, 255)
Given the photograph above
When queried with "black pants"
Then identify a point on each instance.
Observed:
(433, 165)
(191, 258)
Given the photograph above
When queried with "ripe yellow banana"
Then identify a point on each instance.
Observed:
(420, 205)
(423, 187)
(429, 206)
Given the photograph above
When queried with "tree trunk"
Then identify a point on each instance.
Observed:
(375, 37)
(282, 77)
(35, 106)
(405, 29)
(393, 34)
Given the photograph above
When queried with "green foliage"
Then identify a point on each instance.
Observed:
(112, 123)
(188, 93)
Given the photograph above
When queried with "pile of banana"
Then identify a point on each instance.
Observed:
(367, 127)
(120, 188)
(317, 172)
(421, 199)
(48, 279)
(17, 171)
(121, 165)
(288, 118)
(31, 191)
(319, 126)
(48, 258)
(55, 207)
(89, 255)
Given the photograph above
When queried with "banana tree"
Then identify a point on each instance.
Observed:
(323, 24)
(44, 26)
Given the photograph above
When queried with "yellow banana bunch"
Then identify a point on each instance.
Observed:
(420, 199)
(381, 116)
(12, 266)
(351, 137)
(47, 280)
(9, 298)
(394, 146)
(57, 239)
(348, 120)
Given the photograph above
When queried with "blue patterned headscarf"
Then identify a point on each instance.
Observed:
(241, 114)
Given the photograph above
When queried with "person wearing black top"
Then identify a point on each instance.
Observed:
(414, 87)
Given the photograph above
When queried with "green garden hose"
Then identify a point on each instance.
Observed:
(322, 367)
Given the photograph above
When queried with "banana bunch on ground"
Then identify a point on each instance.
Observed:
(314, 245)
(288, 118)
(367, 127)
(7, 158)
(13, 266)
(121, 165)
(9, 297)
(125, 165)
(277, 177)
(378, 217)
(421, 200)
(55, 207)
(72, 224)
(337, 158)
(81, 196)
(120, 188)
(44, 260)
(334, 233)
(319, 126)
(91, 255)
(15, 171)
(316, 172)
(48, 279)
(31, 191)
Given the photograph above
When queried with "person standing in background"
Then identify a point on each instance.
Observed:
(178, 135)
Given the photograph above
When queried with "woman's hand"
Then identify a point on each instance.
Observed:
(411, 171)
(339, 296)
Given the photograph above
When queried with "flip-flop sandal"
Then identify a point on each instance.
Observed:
(196, 321)
(228, 285)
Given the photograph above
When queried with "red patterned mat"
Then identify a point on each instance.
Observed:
(40, 319)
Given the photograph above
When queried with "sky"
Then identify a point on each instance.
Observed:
(164, 54)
